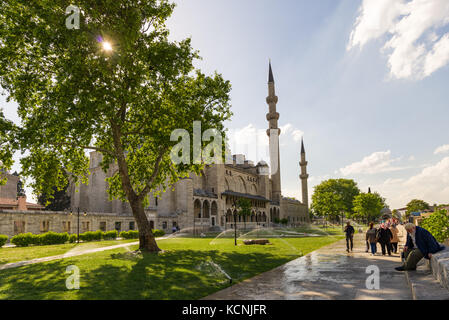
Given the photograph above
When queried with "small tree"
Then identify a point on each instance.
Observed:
(438, 225)
(244, 209)
(332, 198)
(416, 205)
(368, 206)
(7, 130)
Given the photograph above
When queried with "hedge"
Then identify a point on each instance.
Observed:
(110, 235)
(134, 234)
(3, 240)
(25, 239)
(49, 238)
(52, 238)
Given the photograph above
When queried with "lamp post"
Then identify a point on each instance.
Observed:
(78, 228)
(235, 222)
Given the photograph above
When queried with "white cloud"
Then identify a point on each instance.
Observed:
(375, 163)
(442, 149)
(431, 185)
(416, 50)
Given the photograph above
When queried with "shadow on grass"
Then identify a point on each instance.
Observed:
(177, 274)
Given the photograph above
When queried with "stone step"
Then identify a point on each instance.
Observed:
(423, 284)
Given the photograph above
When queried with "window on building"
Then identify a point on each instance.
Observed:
(66, 226)
(19, 227)
(85, 226)
(152, 225)
(155, 200)
(164, 225)
(118, 226)
(45, 226)
(132, 225)
(103, 225)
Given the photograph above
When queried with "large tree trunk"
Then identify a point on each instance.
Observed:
(147, 242)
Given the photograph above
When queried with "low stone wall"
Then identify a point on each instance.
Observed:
(440, 267)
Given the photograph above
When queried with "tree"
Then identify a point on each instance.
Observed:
(7, 145)
(334, 197)
(416, 206)
(59, 201)
(244, 209)
(368, 206)
(437, 224)
(116, 85)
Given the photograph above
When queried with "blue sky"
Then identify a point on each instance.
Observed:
(376, 112)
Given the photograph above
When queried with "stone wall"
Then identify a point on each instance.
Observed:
(440, 267)
(12, 222)
(295, 211)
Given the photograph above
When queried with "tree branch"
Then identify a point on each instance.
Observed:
(148, 186)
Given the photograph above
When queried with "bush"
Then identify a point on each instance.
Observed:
(50, 238)
(158, 233)
(438, 225)
(131, 234)
(110, 235)
(73, 238)
(3, 240)
(91, 236)
(25, 239)
(134, 234)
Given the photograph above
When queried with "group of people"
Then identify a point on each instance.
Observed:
(420, 242)
(387, 236)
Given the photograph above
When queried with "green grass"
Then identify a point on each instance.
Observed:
(14, 254)
(183, 271)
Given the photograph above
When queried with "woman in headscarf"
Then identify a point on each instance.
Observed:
(384, 238)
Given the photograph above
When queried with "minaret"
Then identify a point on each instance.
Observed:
(273, 118)
(304, 176)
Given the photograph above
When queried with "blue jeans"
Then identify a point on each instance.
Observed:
(373, 248)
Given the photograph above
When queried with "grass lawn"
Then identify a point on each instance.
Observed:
(186, 270)
(15, 254)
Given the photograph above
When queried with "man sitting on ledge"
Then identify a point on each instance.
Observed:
(420, 244)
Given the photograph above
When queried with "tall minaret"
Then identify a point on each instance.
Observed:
(273, 118)
(304, 176)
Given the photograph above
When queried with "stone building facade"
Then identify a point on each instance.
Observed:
(207, 202)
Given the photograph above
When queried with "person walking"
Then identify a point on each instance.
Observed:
(420, 244)
(371, 238)
(349, 230)
(394, 241)
(384, 237)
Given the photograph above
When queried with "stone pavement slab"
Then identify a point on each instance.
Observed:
(329, 273)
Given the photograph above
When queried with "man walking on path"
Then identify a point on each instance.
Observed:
(420, 244)
(385, 236)
(349, 230)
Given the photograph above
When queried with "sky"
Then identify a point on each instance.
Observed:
(364, 82)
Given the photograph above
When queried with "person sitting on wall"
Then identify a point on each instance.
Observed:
(420, 244)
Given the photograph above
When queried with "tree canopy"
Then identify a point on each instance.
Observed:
(116, 85)
(333, 197)
(368, 206)
(416, 205)
(437, 224)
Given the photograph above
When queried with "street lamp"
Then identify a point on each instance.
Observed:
(78, 229)
(235, 222)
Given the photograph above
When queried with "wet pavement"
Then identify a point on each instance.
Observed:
(329, 273)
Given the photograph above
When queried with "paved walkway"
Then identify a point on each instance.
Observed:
(329, 273)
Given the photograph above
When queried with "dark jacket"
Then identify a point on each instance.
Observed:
(384, 235)
(425, 242)
(349, 230)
